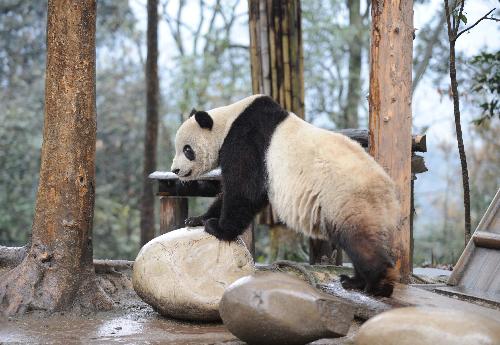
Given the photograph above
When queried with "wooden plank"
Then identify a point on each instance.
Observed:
(190, 188)
(412, 296)
(167, 175)
(482, 271)
(390, 109)
(492, 299)
(403, 296)
(489, 221)
(491, 218)
(459, 268)
(486, 239)
(173, 213)
(248, 239)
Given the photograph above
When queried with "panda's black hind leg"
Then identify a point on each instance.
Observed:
(371, 260)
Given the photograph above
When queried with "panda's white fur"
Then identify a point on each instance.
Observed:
(319, 183)
(326, 178)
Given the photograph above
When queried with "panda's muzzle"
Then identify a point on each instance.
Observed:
(176, 171)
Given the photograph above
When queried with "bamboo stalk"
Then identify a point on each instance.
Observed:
(254, 57)
(286, 55)
(264, 56)
(272, 50)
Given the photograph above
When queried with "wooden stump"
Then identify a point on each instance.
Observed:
(173, 213)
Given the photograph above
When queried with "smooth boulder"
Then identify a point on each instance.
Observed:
(277, 308)
(183, 273)
(429, 326)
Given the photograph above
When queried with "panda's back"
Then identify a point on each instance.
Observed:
(319, 179)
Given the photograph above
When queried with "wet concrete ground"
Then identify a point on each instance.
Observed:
(142, 326)
(109, 328)
(130, 322)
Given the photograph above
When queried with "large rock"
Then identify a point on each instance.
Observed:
(183, 273)
(429, 326)
(276, 308)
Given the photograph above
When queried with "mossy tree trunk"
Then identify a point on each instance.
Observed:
(57, 273)
(151, 133)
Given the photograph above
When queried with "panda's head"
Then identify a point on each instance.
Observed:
(200, 137)
(196, 146)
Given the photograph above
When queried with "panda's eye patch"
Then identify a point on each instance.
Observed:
(188, 152)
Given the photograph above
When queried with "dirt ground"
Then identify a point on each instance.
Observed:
(130, 322)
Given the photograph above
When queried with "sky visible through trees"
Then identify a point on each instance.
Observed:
(204, 62)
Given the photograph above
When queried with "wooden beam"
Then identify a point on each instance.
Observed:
(390, 108)
(418, 141)
(486, 239)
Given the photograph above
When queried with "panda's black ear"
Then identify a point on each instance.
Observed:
(193, 111)
(203, 119)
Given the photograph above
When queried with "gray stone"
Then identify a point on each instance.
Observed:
(429, 326)
(183, 273)
(277, 308)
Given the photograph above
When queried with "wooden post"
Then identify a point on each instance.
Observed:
(173, 213)
(390, 108)
(247, 237)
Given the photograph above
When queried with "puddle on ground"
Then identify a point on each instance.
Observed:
(143, 327)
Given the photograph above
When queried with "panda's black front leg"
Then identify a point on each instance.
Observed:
(212, 212)
(236, 215)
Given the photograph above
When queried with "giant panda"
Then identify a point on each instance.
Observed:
(319, 183)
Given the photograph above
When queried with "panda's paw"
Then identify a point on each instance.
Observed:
(354, 283)
(213, 228)
(194, 221)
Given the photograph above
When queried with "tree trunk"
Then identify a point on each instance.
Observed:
(390, 108)
(452, 36)
(58, 273)
(151, 135)
(354, 81)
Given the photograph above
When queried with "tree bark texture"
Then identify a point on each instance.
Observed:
(390, 108)
(151, 132)
(57, 273)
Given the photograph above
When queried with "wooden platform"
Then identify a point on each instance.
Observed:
(477, 272)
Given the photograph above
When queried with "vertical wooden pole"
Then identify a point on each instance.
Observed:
(390, 108)
(247, 237)
(173, 213)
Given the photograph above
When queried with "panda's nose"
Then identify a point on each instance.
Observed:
(176, 171)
